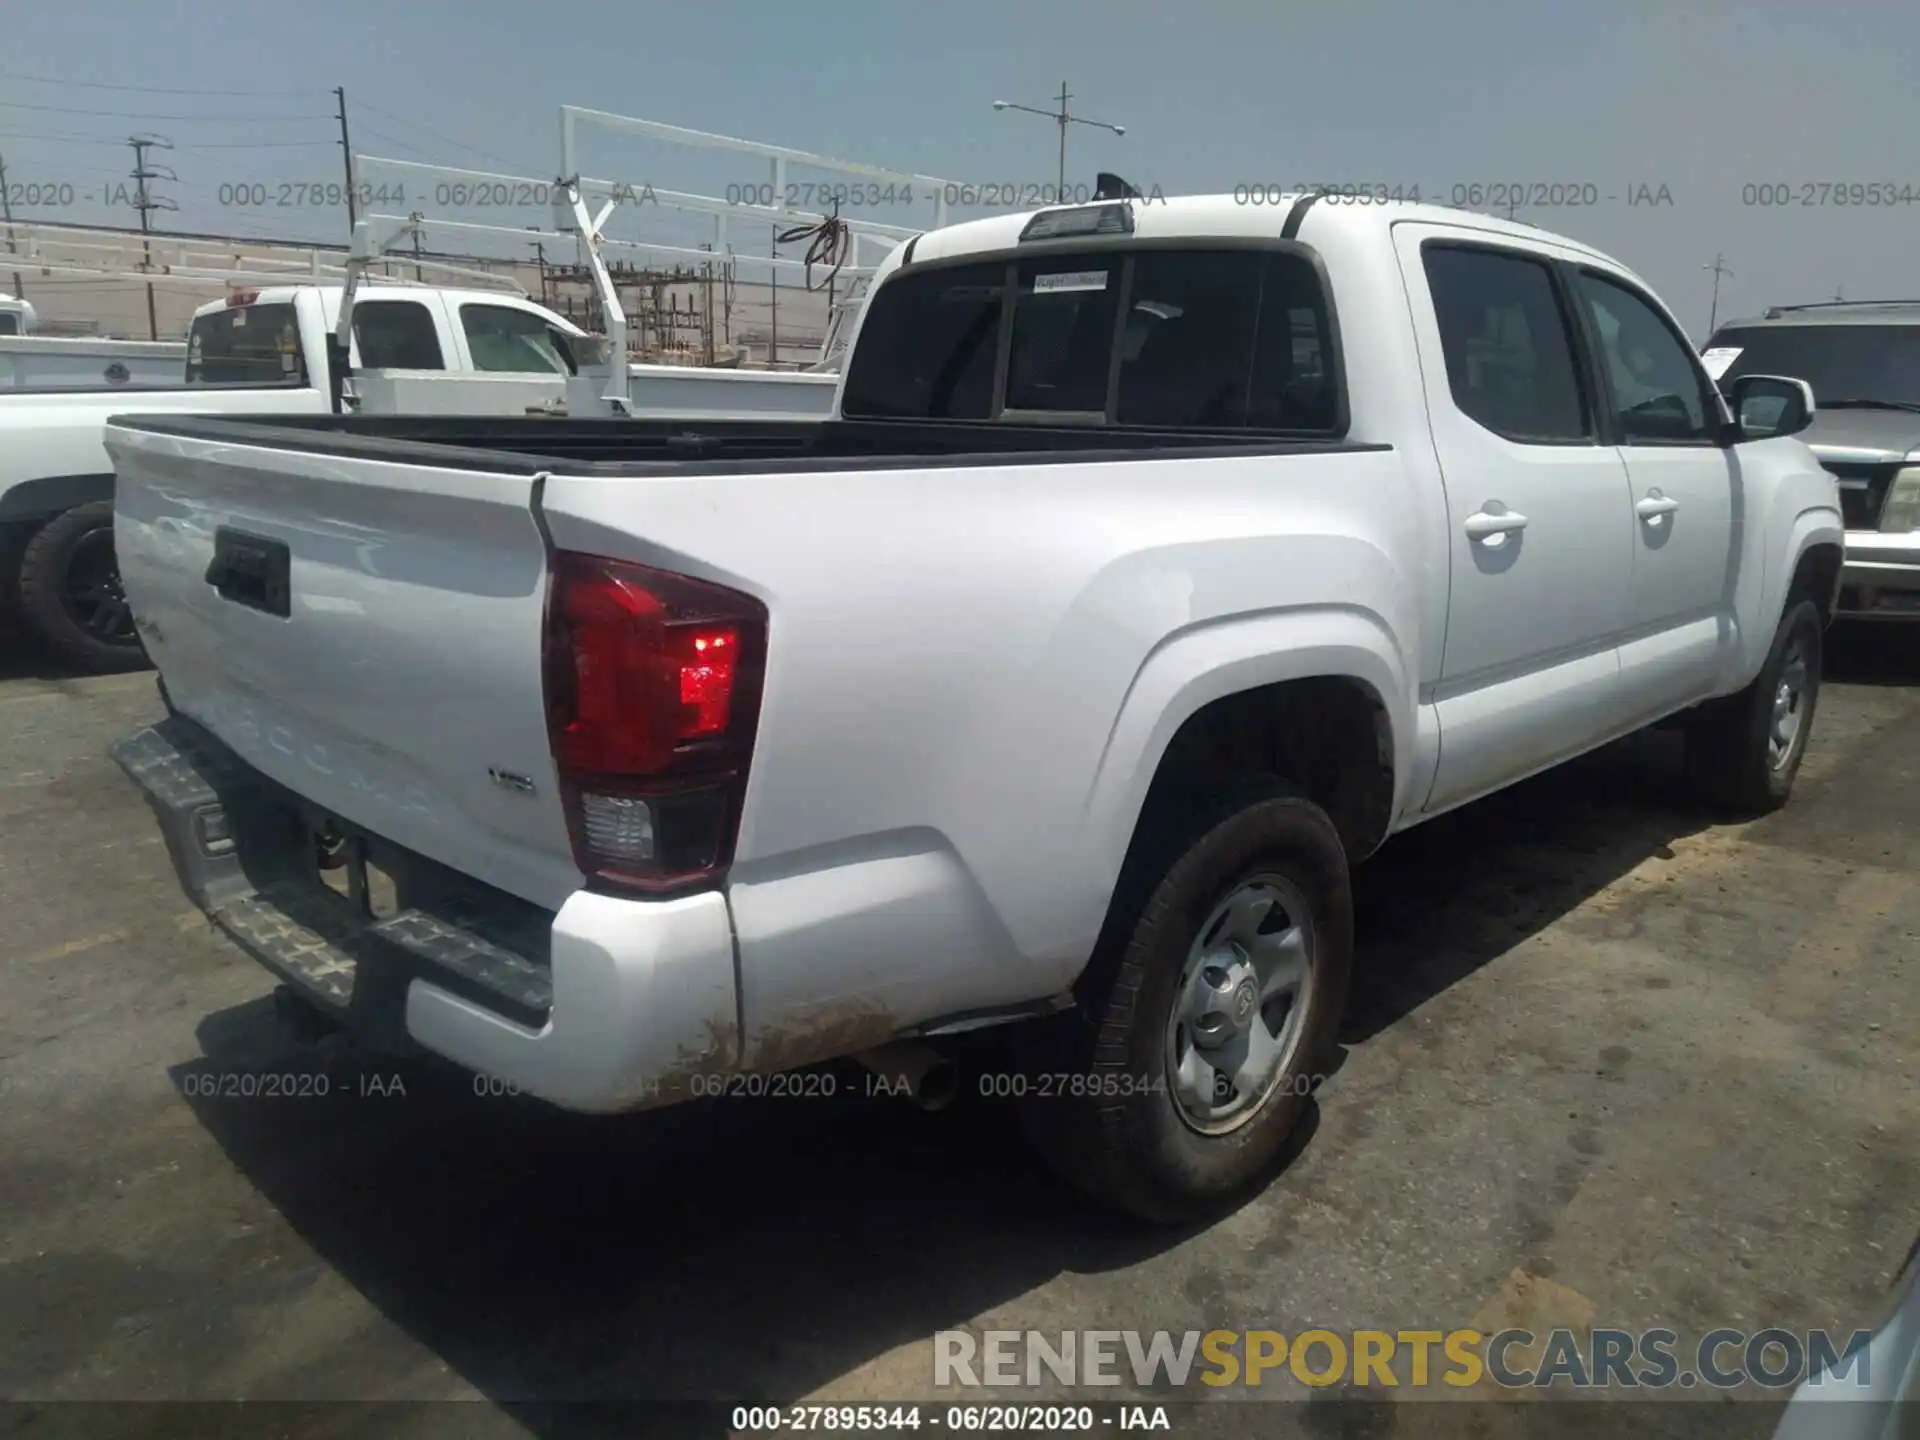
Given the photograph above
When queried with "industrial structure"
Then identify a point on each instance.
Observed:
(87, 280)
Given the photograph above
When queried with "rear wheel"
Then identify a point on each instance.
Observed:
(71, 594)
(1743, 752)
(1222, 980)
(13, 541)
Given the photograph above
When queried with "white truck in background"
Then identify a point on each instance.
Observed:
(1154, 569)
(29, 358)
(423, 350)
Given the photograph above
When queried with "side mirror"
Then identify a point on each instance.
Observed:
(1766, 407)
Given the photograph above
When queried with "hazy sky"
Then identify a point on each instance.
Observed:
(1705, 98)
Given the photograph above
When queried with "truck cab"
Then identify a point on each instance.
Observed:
(279, 335)
(16, 317)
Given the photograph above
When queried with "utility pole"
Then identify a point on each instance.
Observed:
(1063, 119)
(6, 206)
(1719, 268)
(346, 153)
(146, 205)
(540, 257)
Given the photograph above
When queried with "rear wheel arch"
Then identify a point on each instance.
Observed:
(1330, 738)
(46, 496)
(1334, 652)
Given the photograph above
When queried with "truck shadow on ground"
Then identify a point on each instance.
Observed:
(22, 659)
(757, 1250)
(730, 1249)
(1438, 902)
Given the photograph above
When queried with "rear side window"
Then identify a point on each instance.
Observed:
(396, 335)
(1509, 355)
(927, 346)
(246, 344)
(9, 323)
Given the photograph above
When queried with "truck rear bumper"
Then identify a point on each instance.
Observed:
(1880, 579)
(608, 1004)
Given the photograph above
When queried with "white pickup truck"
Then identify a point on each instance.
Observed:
(255, 352)
(416, 350)
(1162, 561)
(28, 358)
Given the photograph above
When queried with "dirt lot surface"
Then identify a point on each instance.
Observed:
(1607, 1063)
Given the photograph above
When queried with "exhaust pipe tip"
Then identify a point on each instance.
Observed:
(939, 1087)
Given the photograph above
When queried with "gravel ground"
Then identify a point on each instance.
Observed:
(1607, 1063)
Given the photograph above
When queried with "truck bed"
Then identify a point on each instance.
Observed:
(13, 391)
(640, 447)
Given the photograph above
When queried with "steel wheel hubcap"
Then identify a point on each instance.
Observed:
(1789, 707)
(1240, 1005)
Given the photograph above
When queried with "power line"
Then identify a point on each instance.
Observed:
(221, 235)
(194, 145)
(68, 167)
(141, 89)
(138, 115)
(60, 139)
(259, 144)
(366, 129)
(416, 125)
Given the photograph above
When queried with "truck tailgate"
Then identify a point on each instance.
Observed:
(365, 632)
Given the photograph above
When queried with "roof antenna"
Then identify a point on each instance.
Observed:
(1108, 186)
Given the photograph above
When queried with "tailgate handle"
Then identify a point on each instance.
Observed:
(253, 571)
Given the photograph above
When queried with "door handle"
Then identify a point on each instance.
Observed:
(1656, 507)
(1493, 528)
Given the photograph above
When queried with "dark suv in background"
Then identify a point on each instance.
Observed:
(1862, 359)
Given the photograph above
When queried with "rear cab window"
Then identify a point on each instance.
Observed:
(927, 345)
(1062, 342)
(246, 345)
(1204, 336)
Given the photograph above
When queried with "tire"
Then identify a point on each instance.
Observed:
(71, 596)
(13, 541)
(1735, 758)
(1130, 1140)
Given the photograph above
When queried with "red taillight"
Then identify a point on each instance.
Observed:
(242, 297)
(653, 691)
(706, 679)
